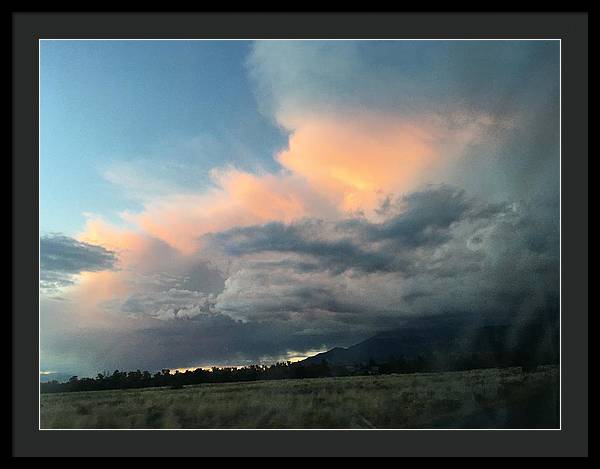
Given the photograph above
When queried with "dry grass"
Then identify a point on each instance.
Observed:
(491, 398)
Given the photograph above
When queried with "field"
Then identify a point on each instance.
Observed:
(490, 398)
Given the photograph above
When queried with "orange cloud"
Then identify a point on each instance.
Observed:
(331, 167)
(240, 199)
(96, 287)
(356, 161)
(130, 246)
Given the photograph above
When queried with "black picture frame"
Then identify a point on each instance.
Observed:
(570, 440)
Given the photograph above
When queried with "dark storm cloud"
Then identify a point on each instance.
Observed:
(426, 220)
(204, 340)
(338, 254)
(437, 252)
(423, 220)
(61, 257)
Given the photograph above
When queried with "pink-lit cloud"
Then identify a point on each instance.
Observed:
(331, 168)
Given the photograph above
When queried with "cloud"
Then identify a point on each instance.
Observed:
(331, 168)
(64, 254)
(437, 252)
(62, 258)
(508, 90)
(149, 343)
(153, 279)
(167, 304)
(403, 77)
(312, 238)
(420, 219)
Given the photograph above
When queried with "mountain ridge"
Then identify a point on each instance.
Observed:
(447, 344)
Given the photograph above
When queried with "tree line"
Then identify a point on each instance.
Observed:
(145, 379)
(283, 370)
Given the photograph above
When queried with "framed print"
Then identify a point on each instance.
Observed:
(358, 237)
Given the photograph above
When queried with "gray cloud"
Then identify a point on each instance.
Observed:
(422, 219)
(401, 76)
(185, 290)
(305, 239)
(165, 304)
(152, 344)
(62, 257)
(438, 252)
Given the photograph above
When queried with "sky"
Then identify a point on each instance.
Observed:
(235, 202)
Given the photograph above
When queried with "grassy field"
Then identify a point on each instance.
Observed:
(490, 398)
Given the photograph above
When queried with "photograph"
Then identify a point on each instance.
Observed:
(299, 234)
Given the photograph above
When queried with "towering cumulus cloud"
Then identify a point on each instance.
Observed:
(419, 179)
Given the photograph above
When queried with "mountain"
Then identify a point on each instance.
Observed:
(450, 345)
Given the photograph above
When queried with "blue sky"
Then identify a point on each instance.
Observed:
(160, 103)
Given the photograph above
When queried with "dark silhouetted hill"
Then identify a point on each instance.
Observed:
(453, 346)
